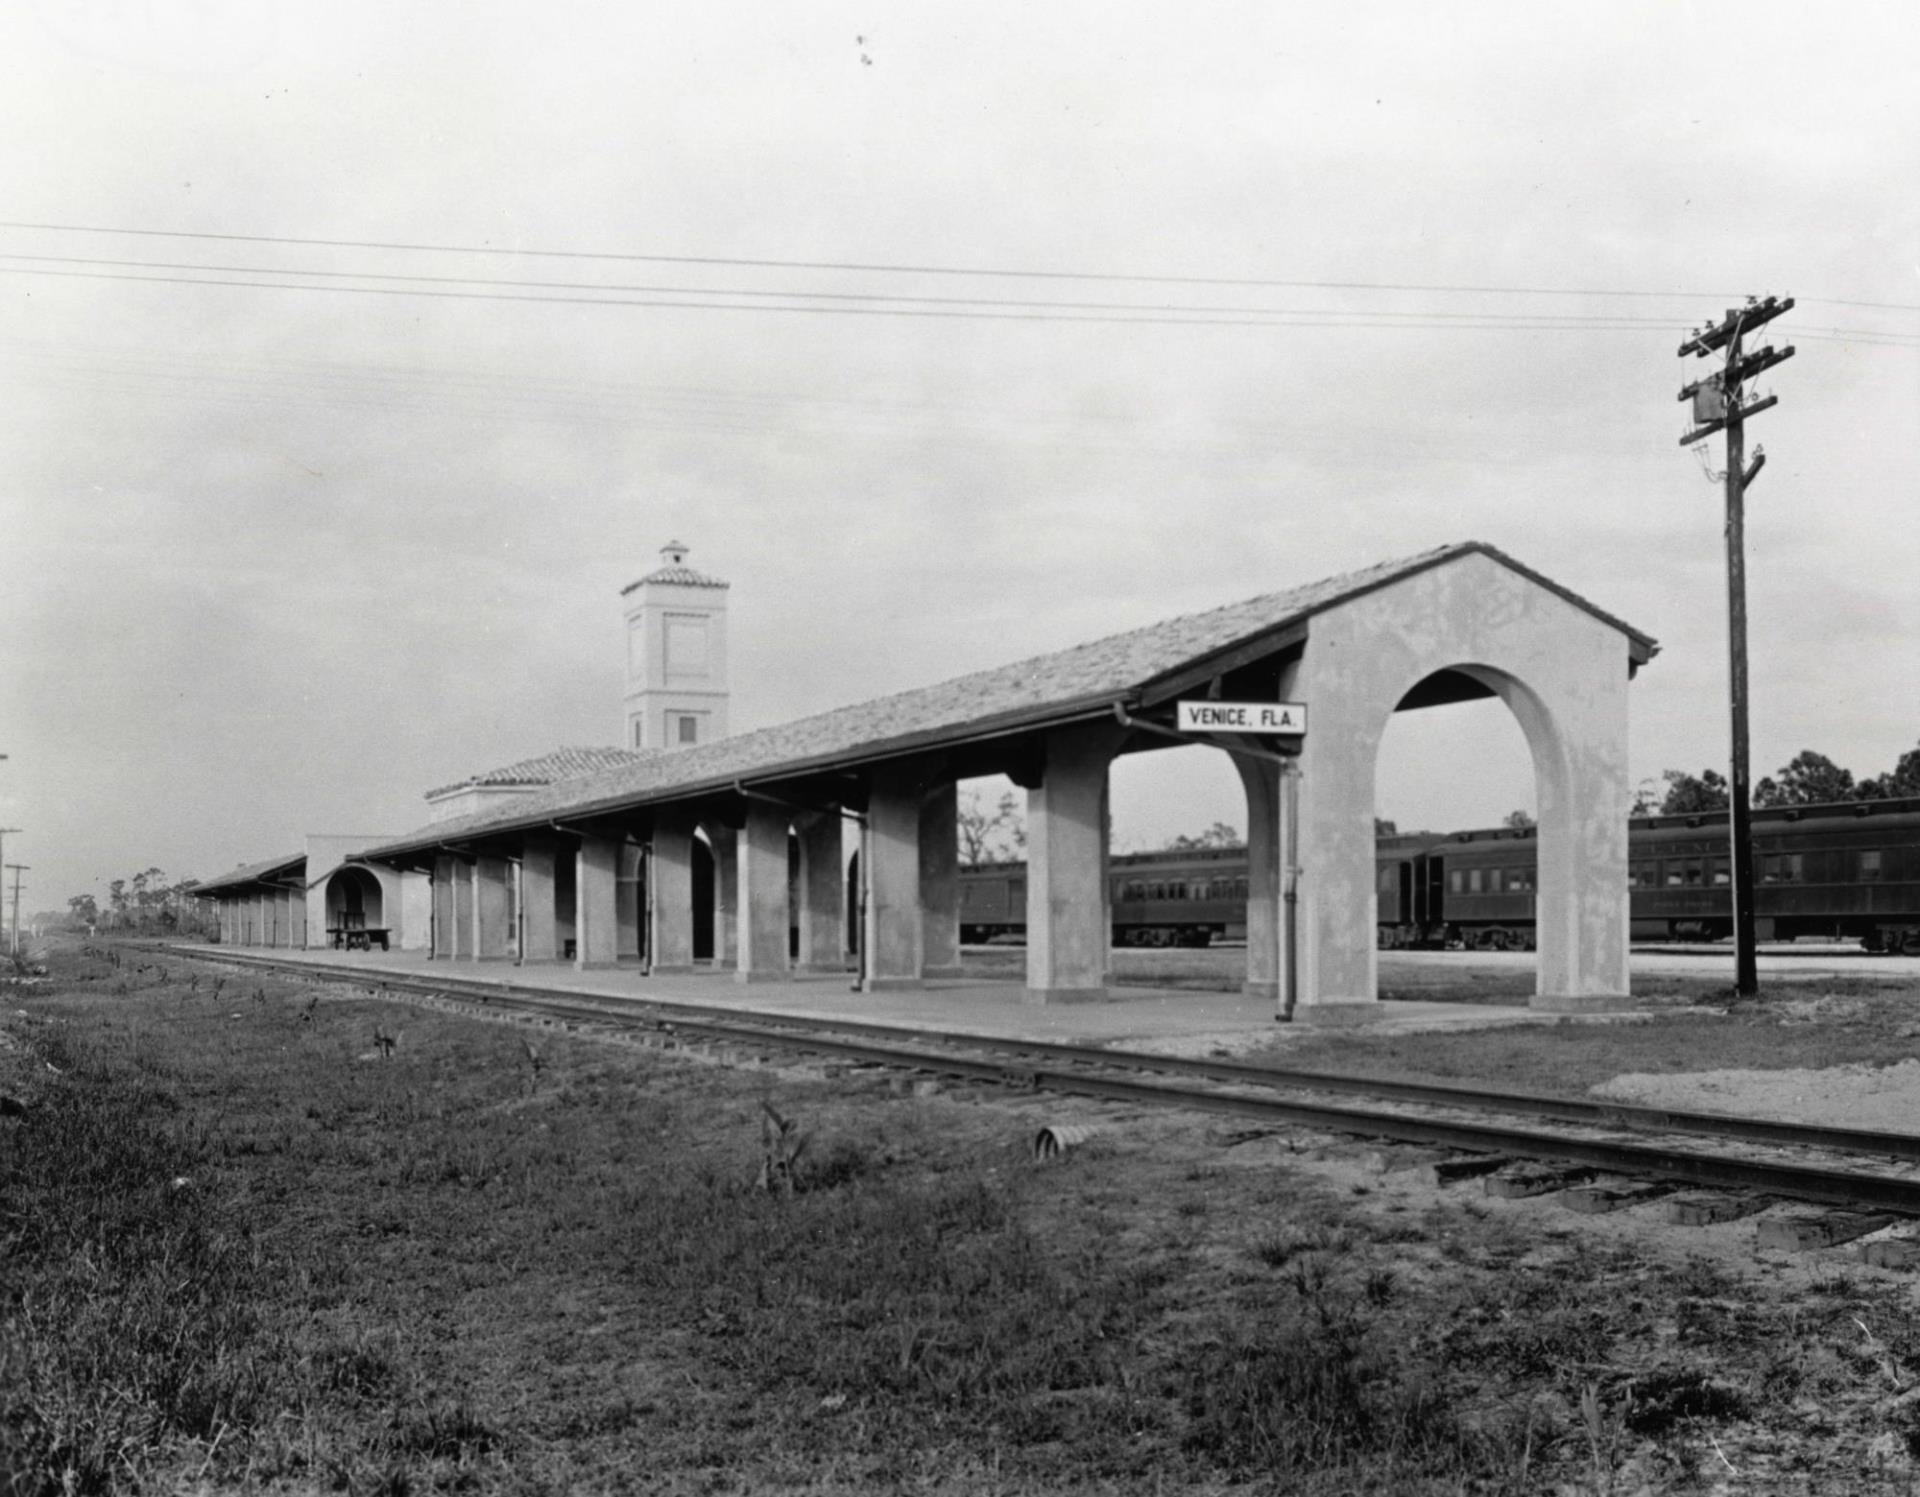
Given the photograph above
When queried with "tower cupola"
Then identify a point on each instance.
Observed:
(677, 686)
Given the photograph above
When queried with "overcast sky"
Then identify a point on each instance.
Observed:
(277, 556)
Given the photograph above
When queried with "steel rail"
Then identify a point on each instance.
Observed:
(1627, 1115)
(857, 1043)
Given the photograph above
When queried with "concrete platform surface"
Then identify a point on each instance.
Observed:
(1162, 1021)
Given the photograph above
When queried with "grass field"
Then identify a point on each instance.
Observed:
(244, 1251)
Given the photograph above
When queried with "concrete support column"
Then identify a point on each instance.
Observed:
(823, 894)
(1265, 934)
(296, 918)
(540, 935)
(940, 881)
(762, 888)
(463, 923)
(492, 909)
(671, 939)
(892, 936)
(597, 875)
(443, 922)
(725, 842)
(1069, 923)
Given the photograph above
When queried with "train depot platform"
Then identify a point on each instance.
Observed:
(1162, 1020)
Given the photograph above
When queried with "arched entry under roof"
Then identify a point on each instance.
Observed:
(354, 900)
(1474, 628)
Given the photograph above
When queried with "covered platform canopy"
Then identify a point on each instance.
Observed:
(608, 857)
(261, 904)
(312, 897)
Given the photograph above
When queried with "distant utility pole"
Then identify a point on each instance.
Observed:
(1719, 405)
(3, 843)
(18, 869)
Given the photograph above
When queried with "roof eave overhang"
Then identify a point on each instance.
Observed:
(1004, 725)
(259, 878)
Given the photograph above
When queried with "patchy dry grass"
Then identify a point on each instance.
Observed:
(241, 1250)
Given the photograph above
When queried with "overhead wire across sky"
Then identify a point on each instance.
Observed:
(791, 299)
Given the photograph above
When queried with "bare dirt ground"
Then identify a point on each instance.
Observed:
(248, 1246)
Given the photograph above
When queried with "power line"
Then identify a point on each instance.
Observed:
(826, 296)
(886, 268)
(1544, 322)
(949, 308)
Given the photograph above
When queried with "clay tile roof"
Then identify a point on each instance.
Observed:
(561, 764)
(1028, 693)
(680, 576)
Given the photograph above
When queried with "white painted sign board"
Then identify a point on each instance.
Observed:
(1243, 717)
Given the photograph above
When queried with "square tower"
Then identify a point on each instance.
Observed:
(676, 656)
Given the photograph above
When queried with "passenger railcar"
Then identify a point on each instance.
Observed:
(1180, 897)
(1849, 871)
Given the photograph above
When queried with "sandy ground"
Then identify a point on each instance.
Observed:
(1885, 1099)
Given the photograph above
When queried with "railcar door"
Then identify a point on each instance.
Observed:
(1429, 875)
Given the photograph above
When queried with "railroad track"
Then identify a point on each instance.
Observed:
(1755, 1156)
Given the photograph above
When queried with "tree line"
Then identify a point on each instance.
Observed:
(1808, 779)
(147, 901)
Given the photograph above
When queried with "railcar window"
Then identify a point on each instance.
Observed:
(1239, 888)
(1132, 890)
(1870, 865)
(1177, 889)
(1693, 871)
(1520, 879)
(1475, 881)
(1496, 877)
(1723, 870)
(1676, 873)
(1456, 881)
(1781, 868)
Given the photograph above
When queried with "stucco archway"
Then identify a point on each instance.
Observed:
(1476, 628)
(355, 899)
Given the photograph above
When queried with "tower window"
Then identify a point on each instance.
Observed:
(687, 730)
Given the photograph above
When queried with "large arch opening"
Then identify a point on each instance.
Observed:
(1459, 782)
(354, 900)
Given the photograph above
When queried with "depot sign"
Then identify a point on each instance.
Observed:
(1243, 717)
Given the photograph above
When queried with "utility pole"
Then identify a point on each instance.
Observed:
(3, 845)
(18, 869)
(1719, 405)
